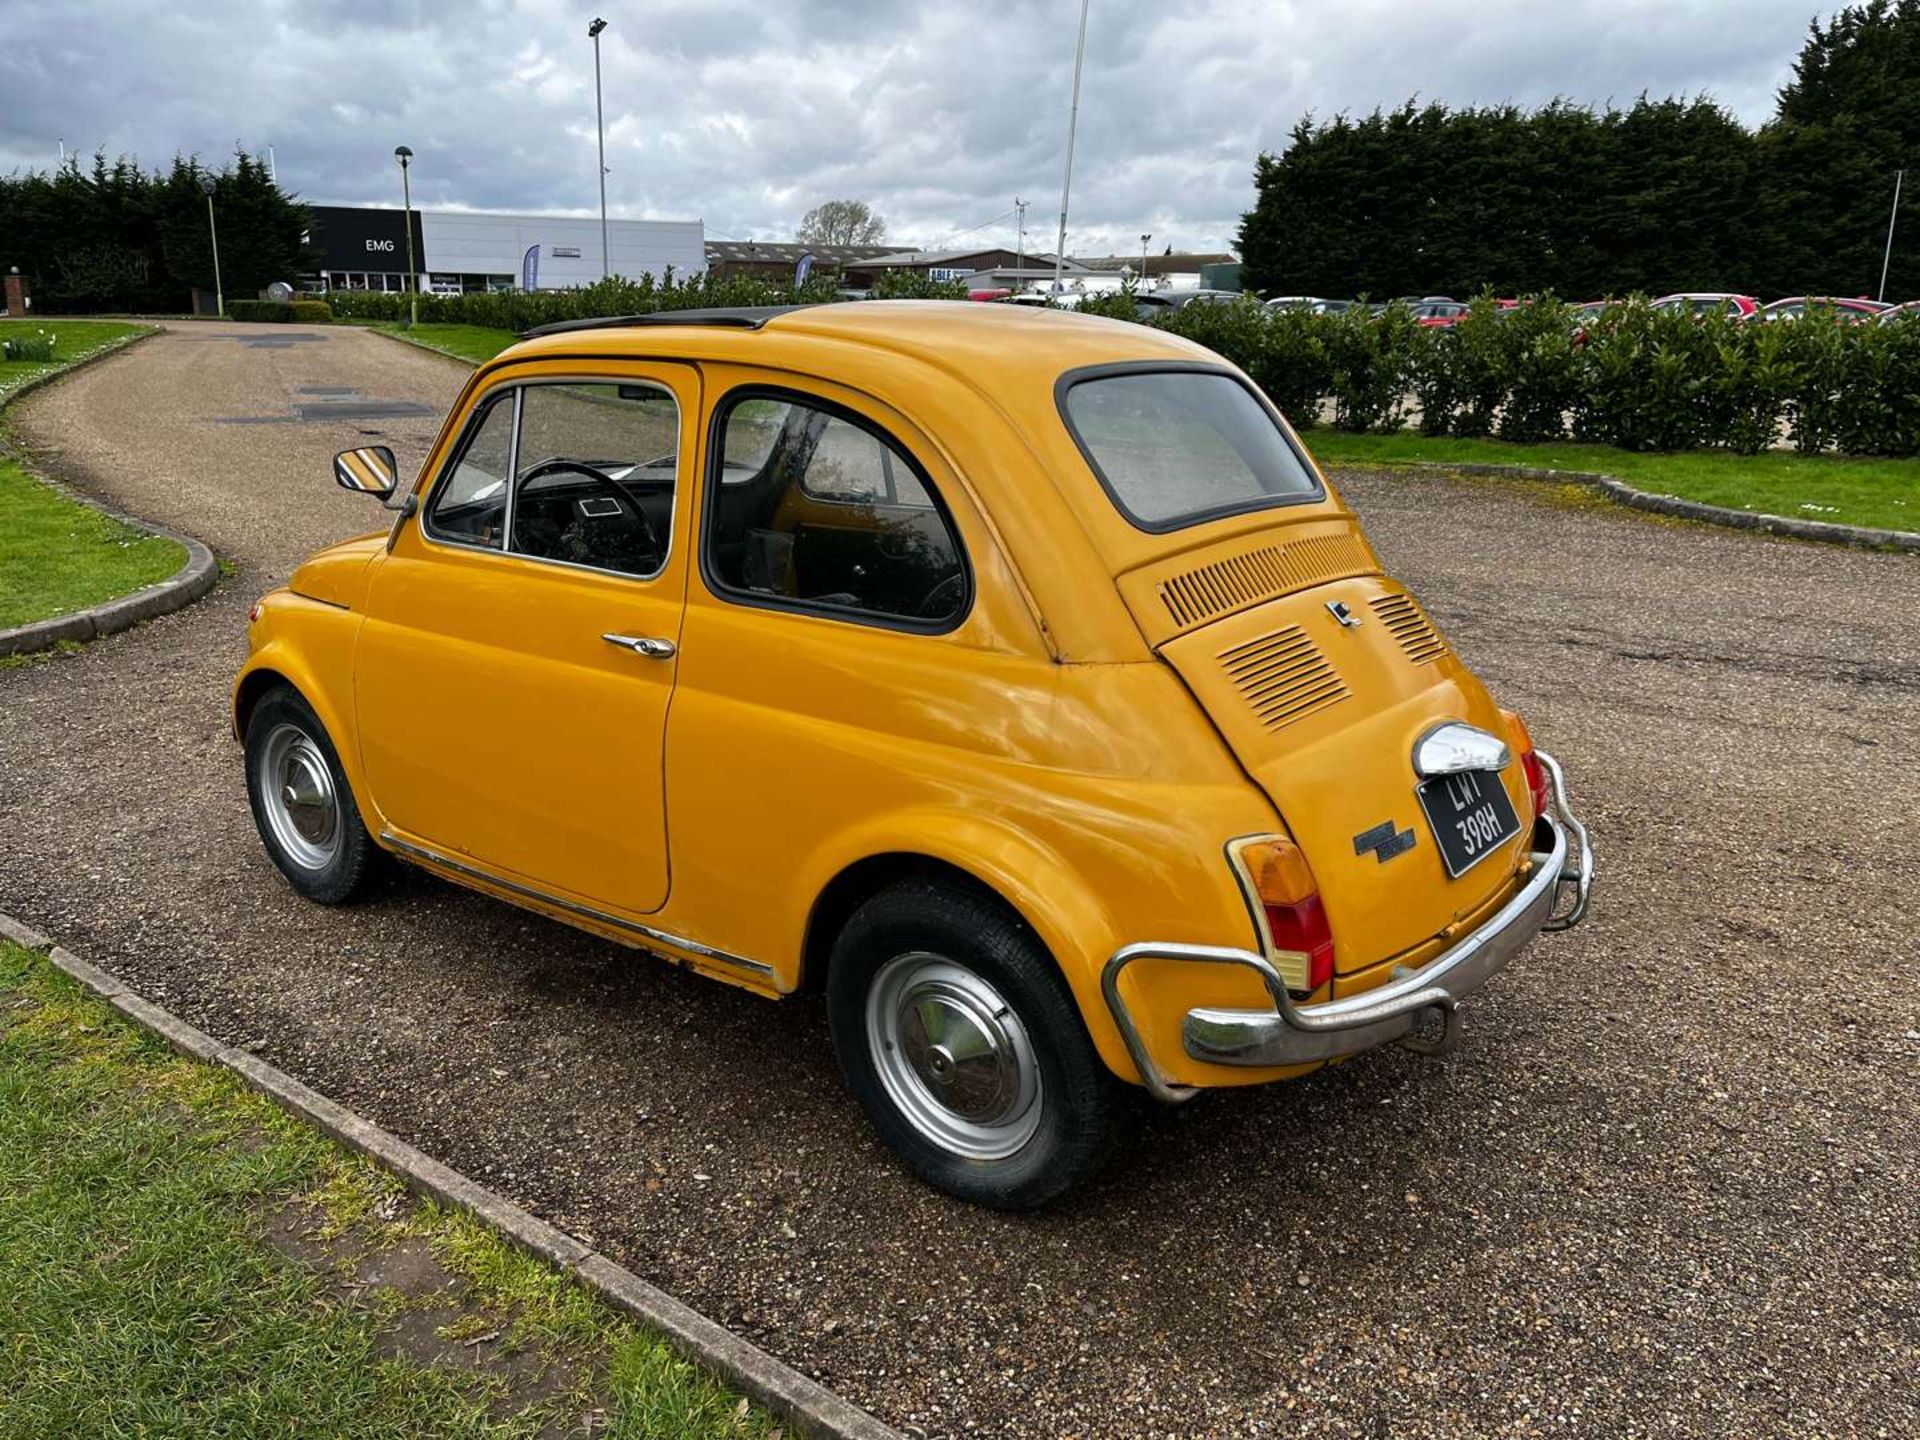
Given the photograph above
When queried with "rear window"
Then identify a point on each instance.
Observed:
(1176, 447)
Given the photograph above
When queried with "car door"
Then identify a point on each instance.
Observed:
(521, 643)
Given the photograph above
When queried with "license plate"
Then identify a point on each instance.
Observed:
(1471, 817)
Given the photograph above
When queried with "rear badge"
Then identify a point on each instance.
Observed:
(1342, 612)
(1386, 840)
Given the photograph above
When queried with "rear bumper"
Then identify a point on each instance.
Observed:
(1554, 897)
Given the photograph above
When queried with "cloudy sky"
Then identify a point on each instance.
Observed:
(745, 114)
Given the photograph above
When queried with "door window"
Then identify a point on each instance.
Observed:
(469, 504)
(594, 475)
(817, 510)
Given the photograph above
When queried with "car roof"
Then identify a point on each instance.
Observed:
(992, 346)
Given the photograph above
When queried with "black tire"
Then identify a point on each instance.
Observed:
(936, 928)
(342, 867)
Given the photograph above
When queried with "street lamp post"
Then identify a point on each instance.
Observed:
(1019, 242)
(1887, 259)
(405, 157)
(1143, 260)
(207, 186)
(1073, 122)
(600, 129)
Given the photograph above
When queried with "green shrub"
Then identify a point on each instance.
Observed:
(36, 347)
(907, 285)
(270, 312)
(1542, 371)
(1369, 359)
(311, 312)
(1292, 363)
(1642, 380)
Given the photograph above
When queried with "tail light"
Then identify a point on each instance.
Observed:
(1530, 763)
(1282, 892)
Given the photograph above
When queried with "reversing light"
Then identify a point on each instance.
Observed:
(1281, 890)
(253, 615)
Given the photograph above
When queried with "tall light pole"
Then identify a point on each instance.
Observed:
(1019, 240)
(207, 185)
(1887, 259)
(600, 128)
(405, 157)
(1143, 257)
(1073, 121)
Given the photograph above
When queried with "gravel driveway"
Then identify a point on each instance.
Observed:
(1669, 1185)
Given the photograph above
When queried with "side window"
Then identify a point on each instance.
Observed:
(822, 512)
(470, 503)
(594, 475)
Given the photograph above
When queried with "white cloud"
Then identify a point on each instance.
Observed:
(746, 114)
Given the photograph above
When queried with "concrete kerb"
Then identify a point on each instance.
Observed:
(195, 578)
(803, 1402)
(1825, 531)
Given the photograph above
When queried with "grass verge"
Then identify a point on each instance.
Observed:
(1884, 494)
(57, 555)
(74, 340)
(181, 1258)
(472, 343)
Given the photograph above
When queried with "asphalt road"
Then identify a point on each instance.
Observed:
(1670, 1184)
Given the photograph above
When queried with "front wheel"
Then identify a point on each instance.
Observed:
(964, 1046)
(301, 803)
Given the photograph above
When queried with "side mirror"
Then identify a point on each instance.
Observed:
(371, 470)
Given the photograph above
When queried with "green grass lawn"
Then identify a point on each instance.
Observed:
(179, 1258)
(57, 555)
(472, 343)
(1884, 494)
(73, 340)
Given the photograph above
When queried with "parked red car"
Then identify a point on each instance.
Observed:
(1707, 302)
(1437, 312)
(1852, 312)
(1908, 311)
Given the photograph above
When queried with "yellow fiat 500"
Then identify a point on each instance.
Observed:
(1012, 677)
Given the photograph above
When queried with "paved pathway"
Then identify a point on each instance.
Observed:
(1670, 1185)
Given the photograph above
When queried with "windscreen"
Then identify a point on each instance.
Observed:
(1176, 447)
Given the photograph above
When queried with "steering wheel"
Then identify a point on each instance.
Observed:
(606, 482)
(939, 602)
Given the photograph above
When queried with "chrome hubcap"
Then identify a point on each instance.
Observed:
(953, 1056)
(298, 798)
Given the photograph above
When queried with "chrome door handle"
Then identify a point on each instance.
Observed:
(646, 645)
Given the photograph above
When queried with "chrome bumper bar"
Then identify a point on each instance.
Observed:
(1293, 1033)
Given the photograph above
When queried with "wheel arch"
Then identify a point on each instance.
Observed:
(858, 883)
(250, 688)
(1034, 884)
(279, 662)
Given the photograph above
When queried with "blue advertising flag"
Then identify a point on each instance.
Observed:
(530, 268)
(802, 270)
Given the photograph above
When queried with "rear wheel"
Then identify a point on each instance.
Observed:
(301, 803)
(964, 1046)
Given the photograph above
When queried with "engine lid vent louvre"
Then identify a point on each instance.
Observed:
(1409, 625)
(1283, 677)
(1255, 575)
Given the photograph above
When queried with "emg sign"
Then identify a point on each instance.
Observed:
(352, 240)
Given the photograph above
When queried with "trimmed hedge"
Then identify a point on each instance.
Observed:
(280, 312)
(269, 312)
(1634, 377)
(523, 309)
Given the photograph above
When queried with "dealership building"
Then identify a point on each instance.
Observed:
(365, 248)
